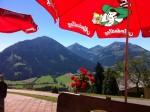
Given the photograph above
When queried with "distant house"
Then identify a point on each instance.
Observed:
(132, 90)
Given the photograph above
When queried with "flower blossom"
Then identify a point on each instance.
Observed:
(92, 79)
(82, 82)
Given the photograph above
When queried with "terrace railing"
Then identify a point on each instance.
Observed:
(81, 103)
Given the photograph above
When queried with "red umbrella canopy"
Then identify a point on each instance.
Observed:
(12, 22)
(58, 7)
(106, 17)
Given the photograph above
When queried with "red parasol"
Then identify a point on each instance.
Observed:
(12, 22)
(108, 18)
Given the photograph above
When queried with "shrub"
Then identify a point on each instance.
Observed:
(54, 90)
(28, 86)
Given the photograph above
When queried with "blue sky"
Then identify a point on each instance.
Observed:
(47, 28)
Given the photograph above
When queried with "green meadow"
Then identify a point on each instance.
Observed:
(43, 83)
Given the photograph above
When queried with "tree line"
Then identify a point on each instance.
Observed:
(107, 80)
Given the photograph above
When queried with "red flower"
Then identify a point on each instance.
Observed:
(73, 77)
(72, 85)
(82, 69)
(84, 73)
(78, 83)
(92, 79)
(87, 79)
(77, 89)
(83, 86)
(90, 74)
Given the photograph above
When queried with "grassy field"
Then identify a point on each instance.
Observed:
(44, 79)
(43, 83)
(13, 82)
(65, 79)
(30, 80)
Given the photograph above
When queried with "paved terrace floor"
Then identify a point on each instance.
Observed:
(19, 103)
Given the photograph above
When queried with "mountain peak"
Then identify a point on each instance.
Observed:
(122, 44)
(81, 51)
(43, 38)
(96, 47)
(117, 43)
(75, 45)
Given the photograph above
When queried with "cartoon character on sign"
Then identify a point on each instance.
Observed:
(112, 16)
(123, 3)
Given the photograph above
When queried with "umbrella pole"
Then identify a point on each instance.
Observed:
(126, 69)
(126, 55)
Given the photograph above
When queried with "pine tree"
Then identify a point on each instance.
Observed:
(110, 86)
(99, 77)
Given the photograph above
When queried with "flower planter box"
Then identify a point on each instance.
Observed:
(79, 103)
